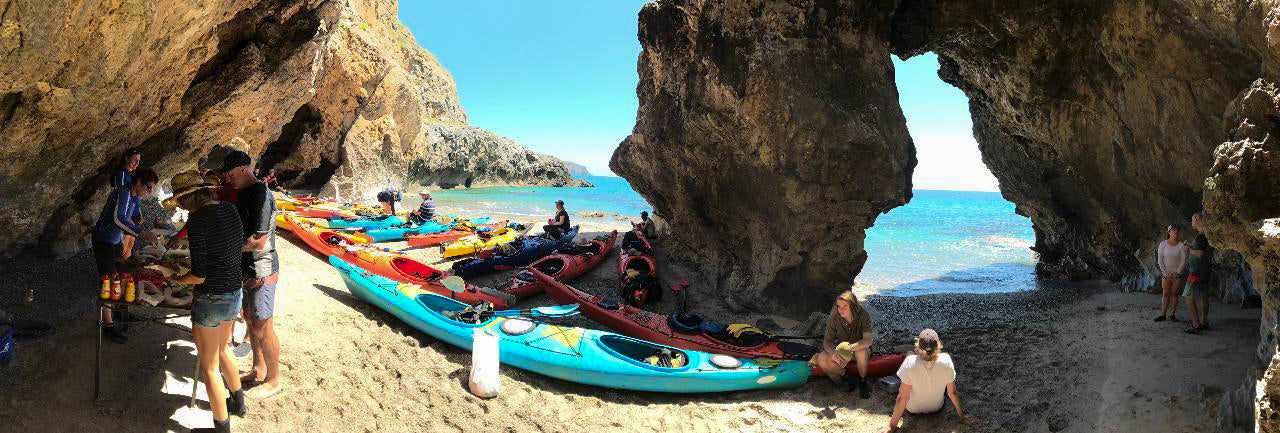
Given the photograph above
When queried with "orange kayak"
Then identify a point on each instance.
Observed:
(388, 263)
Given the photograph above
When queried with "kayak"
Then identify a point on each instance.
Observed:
(400, 233)
(655, 327)
(565, 265)
(481, 241)
(579, 355)
(373, 222)
(527, 250)
(287, 221)
(636, 254)
(437, 238)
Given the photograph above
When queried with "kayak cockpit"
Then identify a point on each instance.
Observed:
(457, 313)
(645, 354)
(414, 269)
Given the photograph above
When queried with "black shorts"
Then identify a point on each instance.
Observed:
(106, 256)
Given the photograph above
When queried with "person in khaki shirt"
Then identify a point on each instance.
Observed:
(847, 338)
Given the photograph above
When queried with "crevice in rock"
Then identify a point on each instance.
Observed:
(254, 41)
(9, 105)
(306, 123)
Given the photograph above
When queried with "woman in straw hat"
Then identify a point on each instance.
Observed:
(926, 376)
(216, 237)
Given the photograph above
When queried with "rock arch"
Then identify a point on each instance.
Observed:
(769, 132)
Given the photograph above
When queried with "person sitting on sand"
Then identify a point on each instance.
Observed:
(388, 198)
(559, 224)
(426, 211)
(1171, 259)
(120, 217)
(645, 225)
(847, 338)
(1200, 271)
(216, 238)
(926, 376)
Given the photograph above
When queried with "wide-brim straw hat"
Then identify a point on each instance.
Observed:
(188, 182)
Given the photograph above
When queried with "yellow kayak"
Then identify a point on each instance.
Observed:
(480, 241)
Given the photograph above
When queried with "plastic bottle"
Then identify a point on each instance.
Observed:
(130, 288)
(105, 293)
(115, 289)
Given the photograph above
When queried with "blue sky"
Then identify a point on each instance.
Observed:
(560, 77)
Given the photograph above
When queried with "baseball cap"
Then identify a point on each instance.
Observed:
(235, 158)
(928, 339)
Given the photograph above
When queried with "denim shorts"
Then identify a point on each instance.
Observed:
(260, 299)
(212, 309)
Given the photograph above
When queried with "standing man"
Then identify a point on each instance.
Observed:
(847, 338)
(261, 268)
(1199, 272)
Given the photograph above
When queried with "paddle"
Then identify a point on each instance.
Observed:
(552, 311)
(454, 283)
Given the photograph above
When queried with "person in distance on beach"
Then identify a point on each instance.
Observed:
(388, 198)
(559, 224)
(847, 338)
(1171, 259)
(646, 224)
(926, 377)
(1199, 272)
(425, 212)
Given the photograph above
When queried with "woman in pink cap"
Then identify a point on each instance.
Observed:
(926, 376)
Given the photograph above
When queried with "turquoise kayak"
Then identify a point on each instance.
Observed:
(376, 222)
(402, 233)
(574, 354)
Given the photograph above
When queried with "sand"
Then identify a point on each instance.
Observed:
(1070, 358)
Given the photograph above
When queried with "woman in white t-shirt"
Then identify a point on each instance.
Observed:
(926, 376)
(1171, 259)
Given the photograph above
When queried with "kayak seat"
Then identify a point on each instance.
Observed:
(526, 276)
(685, 323)
(645, 352)
(550, 267)
(795, 350)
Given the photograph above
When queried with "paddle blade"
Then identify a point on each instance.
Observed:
(454, 283)
(555, 311)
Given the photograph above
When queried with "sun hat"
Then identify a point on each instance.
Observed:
(185, 183)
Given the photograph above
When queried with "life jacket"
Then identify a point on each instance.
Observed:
(668, 359)
(740, 334)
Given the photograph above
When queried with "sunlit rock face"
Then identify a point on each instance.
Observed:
(311, 87)
(769, 135)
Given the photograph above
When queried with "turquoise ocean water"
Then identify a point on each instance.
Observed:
(941, 242)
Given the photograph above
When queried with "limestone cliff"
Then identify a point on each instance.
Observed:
(311, 86)
(577, 170)
(777, 125)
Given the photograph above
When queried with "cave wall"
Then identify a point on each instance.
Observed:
(758, 127)
(331, 92)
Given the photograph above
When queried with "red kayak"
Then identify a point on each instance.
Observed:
(645, 325)
(636, 254)
(560, 266)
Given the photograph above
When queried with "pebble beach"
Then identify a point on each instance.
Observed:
(1076, 357)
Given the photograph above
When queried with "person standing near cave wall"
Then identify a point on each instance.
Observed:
(1171, 259)
(1199, 274)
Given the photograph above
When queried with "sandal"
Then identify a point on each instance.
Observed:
(1192, 330)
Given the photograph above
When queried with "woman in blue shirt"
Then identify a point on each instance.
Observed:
(119, 218)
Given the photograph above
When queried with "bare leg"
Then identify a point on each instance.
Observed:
(264, 335)
(1164, 296)
(1204, 309)
(825, 361)
(209, 347)
(1191, 308)
(229, 370)
(259, 371)
(1173, 296)
(863, 358)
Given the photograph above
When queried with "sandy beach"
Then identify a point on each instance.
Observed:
(1073, 358)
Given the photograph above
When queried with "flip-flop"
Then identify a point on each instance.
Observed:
(277, 393)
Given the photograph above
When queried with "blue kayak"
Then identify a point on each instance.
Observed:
(389, 234)
(574, 354)
(375, 222)
(530, 248)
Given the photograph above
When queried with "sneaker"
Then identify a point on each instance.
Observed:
(1192, 330)
(1160, 319)
(864, 389)
(235, 406)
